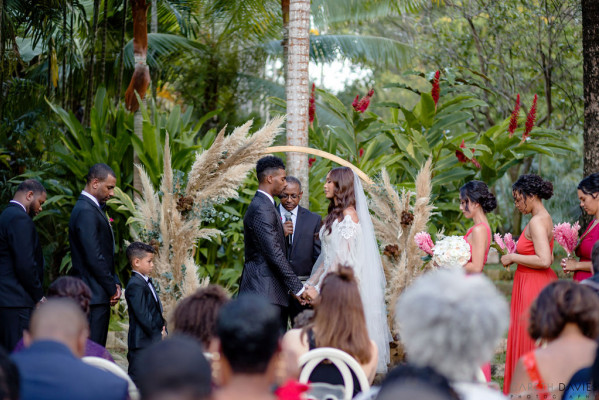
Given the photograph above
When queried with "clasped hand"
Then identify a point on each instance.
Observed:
(308, 296)
(568, 265)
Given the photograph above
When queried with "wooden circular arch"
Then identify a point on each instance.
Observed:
(323, 154)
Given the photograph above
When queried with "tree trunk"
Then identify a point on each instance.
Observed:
(71, 47)
(90, 75)
(64, 56)
(590, 52)
(297, 91)
(104, 38)
(121, 69)
(285, 41)
(154, 27)
(1, 59)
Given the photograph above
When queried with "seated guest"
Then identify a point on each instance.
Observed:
(50, 366)
(338, 322)
(566, 317)
(250, 353)
(76, 289)
(196, 315)
(9, 378)
(146, 323)
(174, 369)
(410, 382)
(452, 322)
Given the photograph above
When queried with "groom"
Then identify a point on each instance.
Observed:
(266, 270)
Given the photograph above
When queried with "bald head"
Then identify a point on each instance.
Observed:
(60, 320)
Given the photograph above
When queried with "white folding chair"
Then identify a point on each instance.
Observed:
(342, 361)
(109, 366)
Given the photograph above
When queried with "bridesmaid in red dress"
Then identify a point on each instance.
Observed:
(588, 193)
(475, 202)
(534, 255)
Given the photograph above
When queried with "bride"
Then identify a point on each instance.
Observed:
(347, 238)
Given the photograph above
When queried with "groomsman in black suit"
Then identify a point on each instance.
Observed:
(21, 262)
(92, 248)
(267, 270)
(301, 228)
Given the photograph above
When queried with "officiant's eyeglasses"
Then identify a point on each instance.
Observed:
(293, 196)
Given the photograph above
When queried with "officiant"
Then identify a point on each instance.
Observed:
(301, 228)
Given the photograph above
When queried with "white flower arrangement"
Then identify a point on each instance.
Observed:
(451, 252)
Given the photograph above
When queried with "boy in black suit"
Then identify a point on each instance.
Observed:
(146, 324)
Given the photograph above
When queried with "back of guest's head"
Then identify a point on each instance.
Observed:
(9, 378)
(478, 192)
(60, 320)
(72, 288)
(267, 166)
(590, 184)
(563, 302)
(339, 315)
(249, 332)
(451, 322)
(31, 185)
(303, 319)
(411, 382)
(174, 369)
(100, 172)
(138, 250)
(196, 315)
(533, 185)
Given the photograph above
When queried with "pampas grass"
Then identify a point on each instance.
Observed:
(397, 217)
(171, 220)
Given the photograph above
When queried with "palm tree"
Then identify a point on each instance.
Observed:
(90, 69)
(590, 43)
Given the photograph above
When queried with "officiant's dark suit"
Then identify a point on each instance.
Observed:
(267, 270)
(92, 254)
(21, 263)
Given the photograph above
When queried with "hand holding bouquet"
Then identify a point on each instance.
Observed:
(567, 237)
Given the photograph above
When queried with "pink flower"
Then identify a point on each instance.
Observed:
(436, 91)
(499, 241)
(312, 105)
(530, 119)
(514, 117)
(510, 243)
(567, 236)
(362, 104)
(291, 390)
(424, 242)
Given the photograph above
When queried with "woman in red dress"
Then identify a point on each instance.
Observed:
(588, 193)
(475, 202)
(534, 255)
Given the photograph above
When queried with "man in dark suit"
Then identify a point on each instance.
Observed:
(301, 229)
(21, 262)
(267, 270)
(146, 324)
(92, 248)
(50, 366)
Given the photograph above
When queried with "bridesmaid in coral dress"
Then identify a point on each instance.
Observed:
(475, 202)
(588, 193)
(534, 255)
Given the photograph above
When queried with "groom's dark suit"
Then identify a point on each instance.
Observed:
(266, 270)
(21, 273)
(92, 254)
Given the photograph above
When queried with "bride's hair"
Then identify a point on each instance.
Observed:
(339, 320)
(343, 178)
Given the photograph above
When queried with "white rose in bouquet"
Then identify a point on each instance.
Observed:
(451, 252)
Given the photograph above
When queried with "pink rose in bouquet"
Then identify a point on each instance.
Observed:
(567, 236)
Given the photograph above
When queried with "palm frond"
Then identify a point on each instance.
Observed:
(327, 12)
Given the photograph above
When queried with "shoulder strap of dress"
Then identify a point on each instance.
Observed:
(530, 365)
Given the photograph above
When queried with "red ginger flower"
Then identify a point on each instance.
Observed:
(312, 105)
(362, 104)
(361, 152)
(530, 119)
(291, 390)
(311, 161)
(463, 159)
(514, 118)
(436, 91)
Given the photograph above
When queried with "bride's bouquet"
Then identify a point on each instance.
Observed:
(452, 252)
(567, 236)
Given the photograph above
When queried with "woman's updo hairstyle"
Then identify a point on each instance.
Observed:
(533, 185)
(478, 192)
(590, 185)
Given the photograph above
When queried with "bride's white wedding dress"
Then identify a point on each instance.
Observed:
(353, 244)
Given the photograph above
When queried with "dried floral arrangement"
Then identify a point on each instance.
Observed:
(397, 218)
(171, 219)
